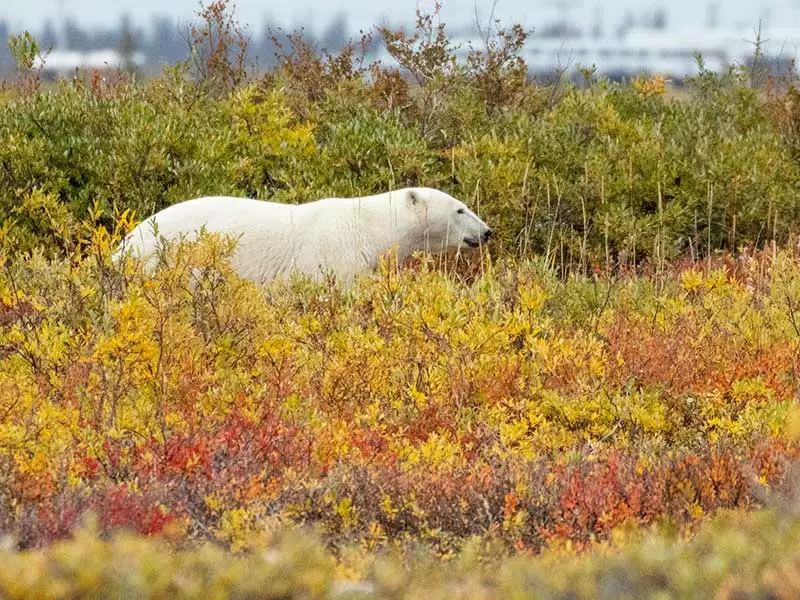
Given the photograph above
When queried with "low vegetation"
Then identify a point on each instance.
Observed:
(600, 403)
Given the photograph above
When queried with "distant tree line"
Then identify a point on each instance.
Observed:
(165, 40)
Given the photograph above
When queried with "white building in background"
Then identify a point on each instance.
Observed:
(64, 63)
(670, 53)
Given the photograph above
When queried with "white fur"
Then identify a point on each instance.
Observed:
(339, 235)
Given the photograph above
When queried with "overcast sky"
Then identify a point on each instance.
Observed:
(366, 13)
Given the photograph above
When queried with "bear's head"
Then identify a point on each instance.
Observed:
(446, 223)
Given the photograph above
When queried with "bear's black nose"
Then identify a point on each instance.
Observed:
(487, 234)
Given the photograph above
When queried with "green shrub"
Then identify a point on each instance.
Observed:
(606, 174)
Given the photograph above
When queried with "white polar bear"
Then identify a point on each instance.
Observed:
(342, 236)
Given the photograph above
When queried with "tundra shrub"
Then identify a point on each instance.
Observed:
(606, 174)
(622, 358)
(188, 399)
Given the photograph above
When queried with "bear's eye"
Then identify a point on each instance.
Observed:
(460, 211)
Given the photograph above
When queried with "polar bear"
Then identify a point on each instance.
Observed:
(342, 236)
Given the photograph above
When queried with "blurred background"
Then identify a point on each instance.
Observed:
(620, 38)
